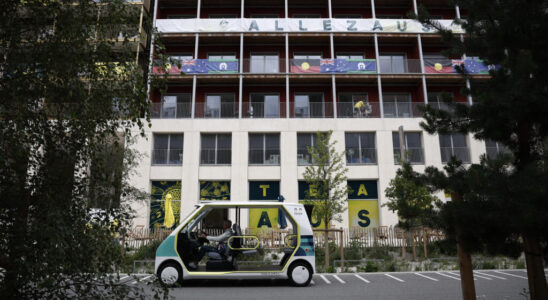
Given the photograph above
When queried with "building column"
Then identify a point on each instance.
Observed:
(419, 43)
(373, 15)
(287, 114)
(240, 84)
(379, 85)
(198, 8)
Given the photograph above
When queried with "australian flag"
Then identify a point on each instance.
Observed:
(475, 66)
(206, 66)
(327, 65)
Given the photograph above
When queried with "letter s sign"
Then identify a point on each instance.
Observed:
(363, 216)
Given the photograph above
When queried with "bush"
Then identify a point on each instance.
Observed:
(487, 265)
(371, 267)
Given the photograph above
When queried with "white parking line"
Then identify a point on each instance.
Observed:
(394, 277)
(447, 276)
(122, 278)
(457, 274)
(428, 277)
(339, 279)
(482, 277)
(486, 274)
(510, 274)
(362, 279)
(325, 279)
(131, 282)
(144, 279)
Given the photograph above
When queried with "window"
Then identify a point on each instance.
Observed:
(346, 55)
(360, 148)
(307, 55)
(168, 149)
(221, 56)
(173, 106)
(305, 140)
(181, 56)
(454, 144)
(349, 109)
(436, 100)
(264, 149)
(216, 149)
(413, 147)
(309, 105)
(397, 105)
(392, 63)
(264, 106)
(220, 106)
(307, 16)
(347, 16)
(265, 63)
(494, 149)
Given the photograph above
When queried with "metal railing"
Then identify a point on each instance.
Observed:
(261, 156)
(460, 153)
(170, 111)
(312, 110)
(407, 66)
(413, 155)
(402, 109)
(224, 110)
(349, 110)
(361, 156)
(258, 110)
(215, 156)
(167, 156)
(263, 66)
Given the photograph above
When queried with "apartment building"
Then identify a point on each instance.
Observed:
(257, 79)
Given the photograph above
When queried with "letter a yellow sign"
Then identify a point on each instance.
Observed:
(362, 190)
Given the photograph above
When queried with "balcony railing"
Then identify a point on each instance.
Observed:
(268, 156)
(264, 66)
(351, 110)
(215, 156)
(170, 111)
(167, 156)
(224, 110)
(461, 153)
(402, 109)
(413, 155)
(258, 110)
(448, 66)
(312, 110)
(407, 66)
(361, 156)
(196, 66)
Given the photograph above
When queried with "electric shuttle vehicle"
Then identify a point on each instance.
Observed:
(277, 243)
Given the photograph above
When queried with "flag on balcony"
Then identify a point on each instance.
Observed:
(305, 66)
(438, 65)
(219, 66)
(327, 65)
(188, 66)
(476, 66)
(356, 66)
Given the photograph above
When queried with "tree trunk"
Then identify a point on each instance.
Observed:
(466, 274)
(538, 288)
(412, 234)
(326, 236)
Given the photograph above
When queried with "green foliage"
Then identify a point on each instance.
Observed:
(74, 94)
(328, 175)
(412, 200)
(371, 267)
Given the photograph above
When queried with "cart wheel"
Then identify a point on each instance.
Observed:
(170, 273)
(300, 274)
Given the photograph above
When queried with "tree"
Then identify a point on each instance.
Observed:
(72, 86)
(327, 176)
(411, 199)
(509, 108)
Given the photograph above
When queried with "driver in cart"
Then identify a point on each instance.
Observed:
(221, 239)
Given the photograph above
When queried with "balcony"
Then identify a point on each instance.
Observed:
(167, 156)
(460, 153)
(350, 110)
(448, 66)
(391, 65)
(264, 65)
(170, 111)
(402, 109)
(413, 155)
(216, 110)
(262, 110)
(196, 66)
(312, 110)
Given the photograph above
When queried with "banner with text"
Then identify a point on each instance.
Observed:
(363, 204)
(301, 25)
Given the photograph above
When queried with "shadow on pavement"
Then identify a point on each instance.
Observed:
(223, 283)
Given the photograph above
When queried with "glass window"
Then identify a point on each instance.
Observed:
(305, 140)
(216, 149)
(264, 106)
(307, 56)
(360, 148)
(264, 149)
(392, 63)
(350, 55)
(220, 106)
(168, 149)
(173, 106)
(413, 145)
(397, 105)
(454, 144)
(349, 107)
(265, 63)
(494, 149)
(309, 105)
(221, 56)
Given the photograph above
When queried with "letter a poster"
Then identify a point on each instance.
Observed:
(363, 204)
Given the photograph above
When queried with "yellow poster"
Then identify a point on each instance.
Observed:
(363, 213)
(263, 218)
